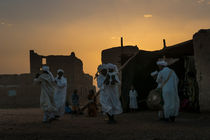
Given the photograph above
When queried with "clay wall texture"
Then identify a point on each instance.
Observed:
(201, 43)
(27, 93)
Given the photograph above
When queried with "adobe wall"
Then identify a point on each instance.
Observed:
(201, 43)
(35, 62)
(27, 94)
(113, 55)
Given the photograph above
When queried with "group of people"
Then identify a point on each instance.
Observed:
(167, 80)
(53, 93)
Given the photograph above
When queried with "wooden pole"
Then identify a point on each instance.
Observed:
(164, 43)
(121, 41)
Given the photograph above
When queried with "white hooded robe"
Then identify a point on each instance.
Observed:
(47, 103)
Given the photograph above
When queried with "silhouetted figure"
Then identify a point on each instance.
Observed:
(75, 102)
(47, 82)
(92, 106)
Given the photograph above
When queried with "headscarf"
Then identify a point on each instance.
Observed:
(162, 63)
(47, 69)
(112, 66)
(60, 70)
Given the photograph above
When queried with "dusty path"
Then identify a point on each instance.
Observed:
(25, 124)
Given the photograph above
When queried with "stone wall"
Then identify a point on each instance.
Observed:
(201, 43)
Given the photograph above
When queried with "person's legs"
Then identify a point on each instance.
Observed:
(45, 117)
(74, 109)
(160, 115)
(172, 118)
(51, 116)
(110, 118)
(113, 119)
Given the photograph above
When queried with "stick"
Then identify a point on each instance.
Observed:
(128, 61)
(86, 105)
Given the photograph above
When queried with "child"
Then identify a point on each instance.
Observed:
(75, 102)
(67, 109)
(92, 107)
(133, 101)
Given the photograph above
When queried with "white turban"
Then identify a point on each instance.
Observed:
(112, 66)
(162, 63)
(45, 68)
(154, 73)
(60, 70)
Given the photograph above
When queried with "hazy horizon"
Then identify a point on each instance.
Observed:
(53, 27)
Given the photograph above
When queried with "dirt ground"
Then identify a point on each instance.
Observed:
(25, 124)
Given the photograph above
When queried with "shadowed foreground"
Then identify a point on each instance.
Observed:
(25, 124)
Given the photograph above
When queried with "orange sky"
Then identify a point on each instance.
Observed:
(89, 26)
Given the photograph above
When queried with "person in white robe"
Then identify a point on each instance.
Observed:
(60, 93)
(111, 92)
(133, 105)
(102, 70)
(168, 81)
(47, 104)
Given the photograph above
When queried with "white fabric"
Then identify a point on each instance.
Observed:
(47, 103)
(47, 69)
(133, 101)
(154, 73)
(116, 69)
(112, 66)
(109, 97)
(60, 95)
(162, 63)
(169, 92)
(116, 86)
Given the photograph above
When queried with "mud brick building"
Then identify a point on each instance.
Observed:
(17, 91)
